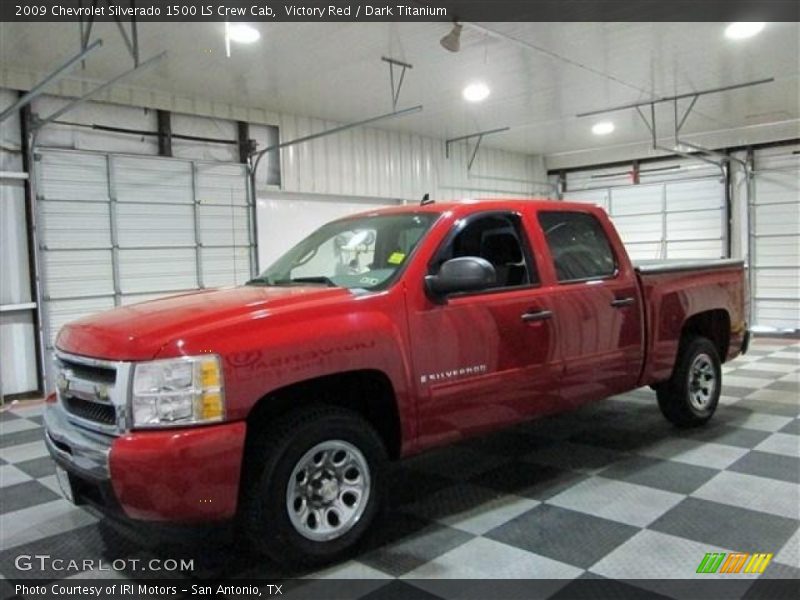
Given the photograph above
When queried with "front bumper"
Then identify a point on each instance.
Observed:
(188, 475)
(80, 451)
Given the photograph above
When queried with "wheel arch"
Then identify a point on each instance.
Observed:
(714, 325)
(368, 392)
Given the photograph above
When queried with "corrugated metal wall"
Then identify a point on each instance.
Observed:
(368, 167)
(775, 243)
(363, 162)
(371, 162)
(17, 332)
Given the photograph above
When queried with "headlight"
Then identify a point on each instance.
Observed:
(178, 391)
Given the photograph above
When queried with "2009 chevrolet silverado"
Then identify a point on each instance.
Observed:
(376, 337)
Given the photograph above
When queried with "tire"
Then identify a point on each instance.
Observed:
(691, 395)
(335, 463)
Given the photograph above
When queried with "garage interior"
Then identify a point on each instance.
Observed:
(143, 160)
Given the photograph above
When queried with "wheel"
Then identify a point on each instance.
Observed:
(314, 487)
(691, 395)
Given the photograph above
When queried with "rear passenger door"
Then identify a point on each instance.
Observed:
(596, 307)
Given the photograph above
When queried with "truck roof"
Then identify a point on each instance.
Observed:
(465, 207)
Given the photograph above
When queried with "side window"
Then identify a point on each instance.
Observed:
(578, 245)
(499, 239)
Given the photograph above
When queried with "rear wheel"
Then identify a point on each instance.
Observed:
(315, 486)
(691, 395)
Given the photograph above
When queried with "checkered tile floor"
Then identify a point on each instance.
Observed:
(611, 490)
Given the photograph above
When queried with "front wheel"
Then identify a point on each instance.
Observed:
(315, 486)
(691, 395)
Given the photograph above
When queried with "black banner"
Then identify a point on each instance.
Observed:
(376, 589)
(400, 10)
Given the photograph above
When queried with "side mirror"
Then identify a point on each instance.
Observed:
(464, 274)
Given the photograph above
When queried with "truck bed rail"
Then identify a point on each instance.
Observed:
(671, 266)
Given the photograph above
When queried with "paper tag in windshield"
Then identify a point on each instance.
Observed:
(395, 258)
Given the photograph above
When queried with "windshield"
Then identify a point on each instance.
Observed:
(361, 252)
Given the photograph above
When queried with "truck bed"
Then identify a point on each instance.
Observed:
(675, 290)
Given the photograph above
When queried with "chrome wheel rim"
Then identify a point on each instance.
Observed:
(702, 382)
(328, 490)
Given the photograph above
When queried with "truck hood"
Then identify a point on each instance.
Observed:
(139, 331)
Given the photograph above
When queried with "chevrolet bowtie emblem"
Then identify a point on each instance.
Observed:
(101, 392)
(62, 383)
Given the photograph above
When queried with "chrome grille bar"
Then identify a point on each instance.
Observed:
(93, 392)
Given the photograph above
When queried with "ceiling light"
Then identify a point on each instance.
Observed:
(243, 33)
(743, 29)
(452, 41)
(602, 128)
(476, 92)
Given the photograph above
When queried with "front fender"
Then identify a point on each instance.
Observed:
(263, 355)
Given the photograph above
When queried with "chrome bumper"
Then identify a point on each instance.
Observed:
(76, 449)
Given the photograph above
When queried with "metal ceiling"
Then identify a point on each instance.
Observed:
(541, 74)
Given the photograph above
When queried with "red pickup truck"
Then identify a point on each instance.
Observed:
(376, 337)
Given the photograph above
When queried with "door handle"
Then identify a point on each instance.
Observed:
(620, 302)
(540, 315)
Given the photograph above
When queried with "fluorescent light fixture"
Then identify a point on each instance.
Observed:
(602, 128)
(743, 29)
(476, 92)
(243, 33)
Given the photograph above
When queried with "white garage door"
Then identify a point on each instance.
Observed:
(116, 229)
(676, 211)
(775, 238)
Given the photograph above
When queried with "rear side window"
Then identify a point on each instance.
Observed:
(578, 245)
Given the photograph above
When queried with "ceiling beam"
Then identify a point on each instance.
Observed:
(480, 135)
(396, 89)
(662, 99)
(307, 138)
(100, 88)
(38, 89)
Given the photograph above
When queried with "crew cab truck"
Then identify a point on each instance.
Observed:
(277, 404)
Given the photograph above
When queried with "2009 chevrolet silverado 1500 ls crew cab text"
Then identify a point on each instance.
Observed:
(376, 337)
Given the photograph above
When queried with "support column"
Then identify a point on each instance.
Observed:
(25, 119)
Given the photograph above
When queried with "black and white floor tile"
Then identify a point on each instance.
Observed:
(611, 490)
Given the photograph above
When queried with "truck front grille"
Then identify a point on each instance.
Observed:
(105, 375)
(87, 388)
(91, 411)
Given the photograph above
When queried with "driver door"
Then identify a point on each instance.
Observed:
(484, 359)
